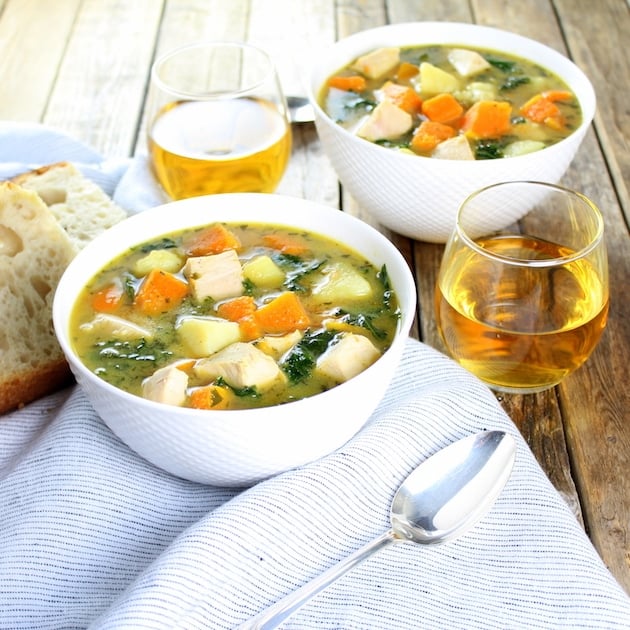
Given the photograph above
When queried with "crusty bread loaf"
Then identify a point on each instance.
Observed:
(46, 217)
(81, 207)
(34, 252)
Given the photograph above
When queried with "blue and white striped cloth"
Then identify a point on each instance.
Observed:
(92, 536)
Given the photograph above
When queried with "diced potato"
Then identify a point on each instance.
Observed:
(106, 325)
(341, 282)
(263, 272)
(521, 147)
(378, 63)
(166, 385)
(457, 148)
(529, 130)
(434, 80)
(347, 358)
(163, 259)
(203, 337)
(467, 62)
(386, 122)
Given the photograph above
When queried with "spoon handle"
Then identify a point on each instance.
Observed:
(273, 616)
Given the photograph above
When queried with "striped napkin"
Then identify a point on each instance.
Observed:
(93, 536)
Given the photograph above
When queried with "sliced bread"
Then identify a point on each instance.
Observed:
(34, 252)
(82, 208)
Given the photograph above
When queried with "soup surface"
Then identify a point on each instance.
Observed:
(234, 316)
(451, 102)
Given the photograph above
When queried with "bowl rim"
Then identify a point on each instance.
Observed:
(366, 40)
(84, 265)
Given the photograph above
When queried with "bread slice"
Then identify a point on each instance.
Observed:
(82, 208)
(34, 252)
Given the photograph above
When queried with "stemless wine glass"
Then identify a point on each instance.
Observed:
(523, 306)
(217, 120)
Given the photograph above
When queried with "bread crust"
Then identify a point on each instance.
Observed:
(46, 217)
(30, 385)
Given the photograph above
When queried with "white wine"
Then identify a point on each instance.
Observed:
(207, 147)
(520, 328)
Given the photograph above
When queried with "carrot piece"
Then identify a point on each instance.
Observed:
(160, 291)
(214, 240)
(442, 108)
(213, 397)
(429, 134)
(241, 310)
(407, 70)
(558, 95)
(542, 109)
(108, 299)
(487, 119)
(354, 83)
(402, 96)
(283, 314)
(237, 308)
(285, 244)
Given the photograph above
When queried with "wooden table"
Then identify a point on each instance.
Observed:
(82, 66)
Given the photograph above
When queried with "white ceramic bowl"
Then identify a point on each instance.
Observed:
(419, 196)
(237, 447)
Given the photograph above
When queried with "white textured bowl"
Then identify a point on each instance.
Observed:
(419, 196)
(237, 447)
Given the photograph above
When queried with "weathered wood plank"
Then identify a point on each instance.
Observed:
(101, 82)
(587, 27)
(32, 45)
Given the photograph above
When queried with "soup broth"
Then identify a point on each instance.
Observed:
(451, 102)
(234, 316)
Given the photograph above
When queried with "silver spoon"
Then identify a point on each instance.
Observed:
(441, 499)
(300, 109)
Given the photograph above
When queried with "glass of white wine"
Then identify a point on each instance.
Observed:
(217, 120)
(524, 306)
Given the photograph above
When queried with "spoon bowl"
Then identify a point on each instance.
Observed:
(440, 500)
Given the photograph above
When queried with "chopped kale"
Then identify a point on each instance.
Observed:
(129, 286)
(514, 81)
(501, 64)
(383, 276)
(296, 270)
(241, 392)
(248, 287)
(300, 360)
(164, 243)
(488, 150)
(121, 359)
(363, 320)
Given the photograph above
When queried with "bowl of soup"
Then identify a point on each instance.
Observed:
(415, 117)
(228, 338)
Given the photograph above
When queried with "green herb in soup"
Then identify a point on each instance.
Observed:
(234, 316)
(451, 102)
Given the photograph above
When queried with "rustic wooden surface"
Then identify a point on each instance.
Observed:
(82, 66)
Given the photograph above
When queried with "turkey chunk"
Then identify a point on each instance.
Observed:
(240, 365)
(111, 326)
(386, 122)
(347, 358)
(378, 63)
(467, 62)
(457, 148)
(166, 385)
(218, 277)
